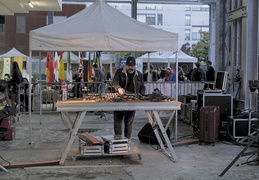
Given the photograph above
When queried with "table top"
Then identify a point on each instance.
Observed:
(91, 105)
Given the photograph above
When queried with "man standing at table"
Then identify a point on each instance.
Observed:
(127, 80)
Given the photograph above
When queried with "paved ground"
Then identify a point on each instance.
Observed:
(45, 143)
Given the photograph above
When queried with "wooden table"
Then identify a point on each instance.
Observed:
(151, 108)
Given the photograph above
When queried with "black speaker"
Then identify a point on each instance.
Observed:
(147, 135)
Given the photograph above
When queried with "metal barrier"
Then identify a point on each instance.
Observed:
(169, 88)
(50, 93)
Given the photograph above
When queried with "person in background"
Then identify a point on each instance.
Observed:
(159, 71)
(181, 76)
(154, 74)
(198, 74)
(210, 73)
(99, 78)
(17, 80)
(189, 74)
(163, 72)
(77, 89)
(145, 73)
(36, 90)
(168, 74)
(8, 79)
(127, 80)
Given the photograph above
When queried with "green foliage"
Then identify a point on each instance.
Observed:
(35, 75)
(201, 49)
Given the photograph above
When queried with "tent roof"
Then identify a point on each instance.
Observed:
(100, 27)
(155, 58)
(13, 53)
(182, 57)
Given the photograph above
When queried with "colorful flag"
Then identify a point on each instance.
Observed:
(69, 68)
(81, 68)
(61, 69)
(56, 65)
(49, 68)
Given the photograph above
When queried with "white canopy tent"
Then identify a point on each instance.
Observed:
(14, 53)
(182, 58)
(100, 27)
(156, 58)
(153, 58)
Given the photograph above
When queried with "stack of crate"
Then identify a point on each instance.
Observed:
(90, 145)
(115, 145)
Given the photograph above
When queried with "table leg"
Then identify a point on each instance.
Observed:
(158, 121)
(72, 135)
(167, 140)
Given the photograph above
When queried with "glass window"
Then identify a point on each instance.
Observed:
(150, 7)
(160, 8)
(2, 28)
(187, 34)
(160, 19)
(20, 24)
(196, 36)
(187, 19)
(2, 24)
(151, 19)
(187, 8)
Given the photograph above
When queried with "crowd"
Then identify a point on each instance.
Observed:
(167, 74)
(18, 89)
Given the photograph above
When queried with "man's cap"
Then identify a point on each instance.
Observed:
(131, 61)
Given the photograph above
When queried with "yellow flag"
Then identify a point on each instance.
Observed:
(61, 69)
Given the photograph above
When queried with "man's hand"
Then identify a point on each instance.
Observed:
(121, 91)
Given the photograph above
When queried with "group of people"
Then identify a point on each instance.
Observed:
(167, 74)
(130, 80)
(18, 89)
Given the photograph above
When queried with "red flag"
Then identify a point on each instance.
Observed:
(49, 68)
(81, 69)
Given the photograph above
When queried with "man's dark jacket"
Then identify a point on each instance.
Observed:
(120, 81)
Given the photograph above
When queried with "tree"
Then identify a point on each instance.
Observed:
(201, 49)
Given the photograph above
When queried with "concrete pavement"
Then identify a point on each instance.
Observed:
(46, 140)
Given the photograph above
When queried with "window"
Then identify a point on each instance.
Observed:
(187, 34)
(149, 19)
(160, 8)
(20, 24)
(187, 8)
(200, 8)
(196, 33)
(2, 24)
(150, 7)
(159, 19)
(196, 36)
(187, 19)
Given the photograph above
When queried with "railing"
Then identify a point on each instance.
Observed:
(169, 88)
(49, 94)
